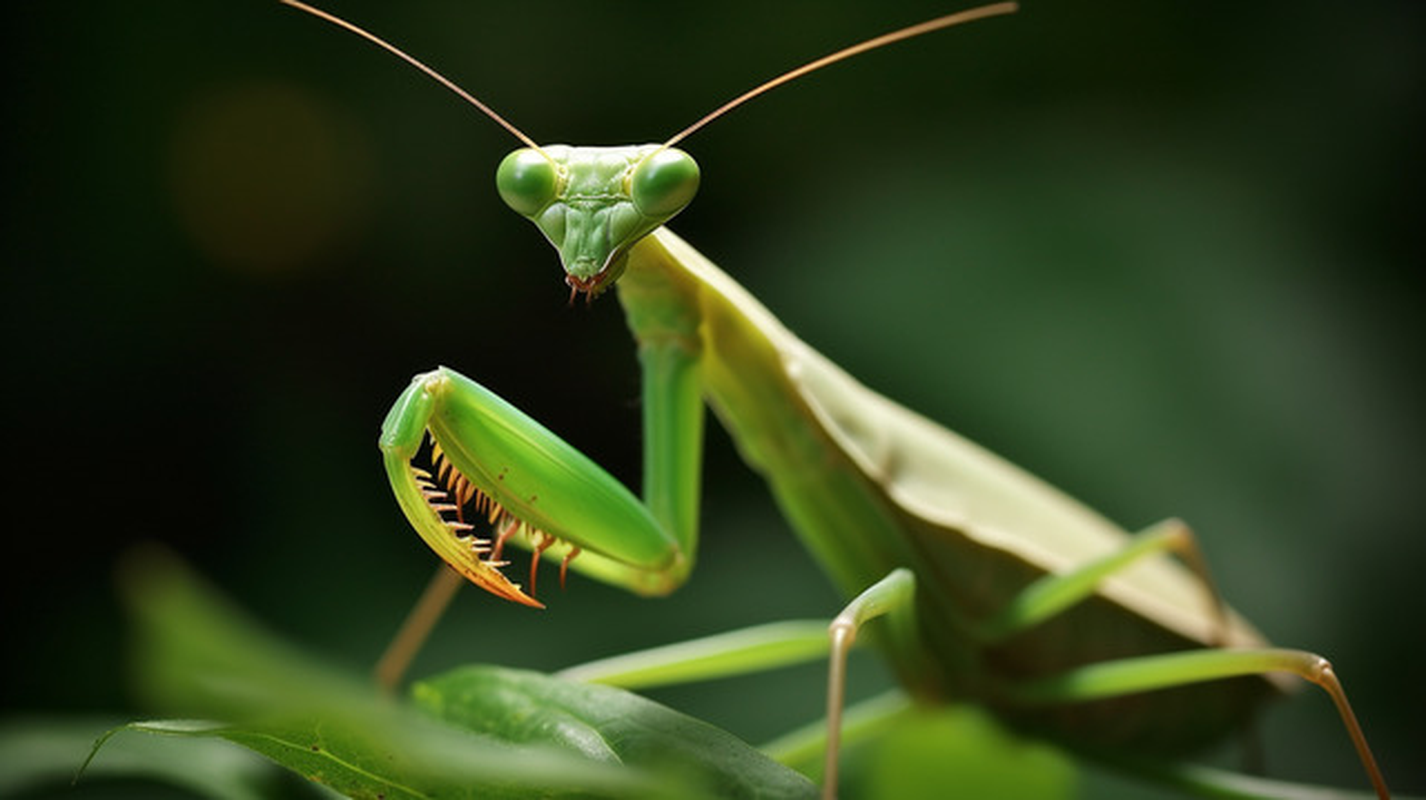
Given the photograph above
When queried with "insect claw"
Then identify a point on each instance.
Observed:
(447, 491)
(445, 468)
(564, 565)
(463, 490)
(541, 545)
(505, 533)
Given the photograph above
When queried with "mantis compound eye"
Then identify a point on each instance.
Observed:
(662, 184)
(527, 181)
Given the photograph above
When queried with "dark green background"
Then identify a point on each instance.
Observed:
(1161, 254)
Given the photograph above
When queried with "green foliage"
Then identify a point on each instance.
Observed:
(477, 732)
(604, 724)
(37, 756)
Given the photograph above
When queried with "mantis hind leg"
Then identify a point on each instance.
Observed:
(1147, 673)
(1055, 593)
(894, 593)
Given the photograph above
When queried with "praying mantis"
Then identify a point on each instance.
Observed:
(994, 587)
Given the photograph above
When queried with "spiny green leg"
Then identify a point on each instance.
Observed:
(1053, 594)
(495, 462)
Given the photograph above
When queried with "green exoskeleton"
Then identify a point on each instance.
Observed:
(995, 588)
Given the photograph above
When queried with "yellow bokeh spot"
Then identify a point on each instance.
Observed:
(266, 178)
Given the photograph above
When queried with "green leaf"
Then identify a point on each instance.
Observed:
(605, 724)
(44, 754)
(356, 763)
(198, 657)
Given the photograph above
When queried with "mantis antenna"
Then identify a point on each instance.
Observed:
(413, 61)
(970, 15)
(909, 32)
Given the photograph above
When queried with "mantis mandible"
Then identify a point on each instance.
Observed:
(995, 587)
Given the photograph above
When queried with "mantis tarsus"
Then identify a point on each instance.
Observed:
(996, 588)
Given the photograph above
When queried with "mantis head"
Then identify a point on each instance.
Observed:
(594, 203)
